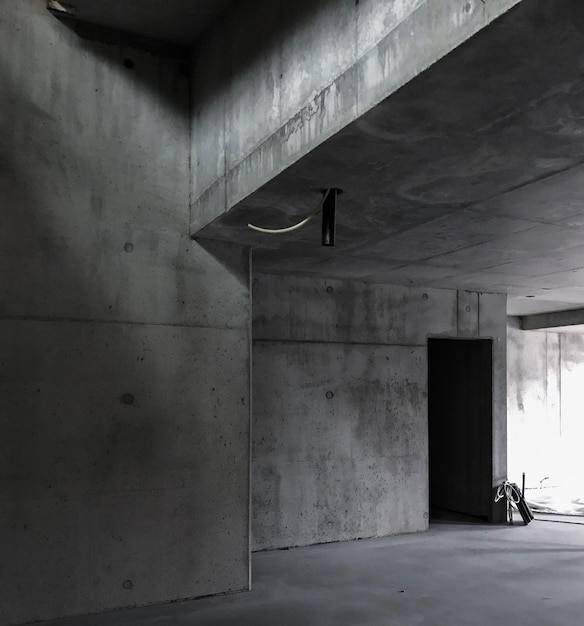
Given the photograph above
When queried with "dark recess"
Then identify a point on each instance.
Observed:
(460, 408)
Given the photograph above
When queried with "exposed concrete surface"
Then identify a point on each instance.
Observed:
(450, 576)
(468, 177)
(492, 322)
(124, 377)
(335, 311)
(298, 73)
(340, 442)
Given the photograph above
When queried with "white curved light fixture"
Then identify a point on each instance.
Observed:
(288, 229)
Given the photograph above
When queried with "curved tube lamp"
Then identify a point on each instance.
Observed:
(328, 202)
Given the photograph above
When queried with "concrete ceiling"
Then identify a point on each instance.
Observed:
(471, 176)
(174, 21)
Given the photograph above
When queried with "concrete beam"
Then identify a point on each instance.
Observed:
(258, 108)
(555, 320)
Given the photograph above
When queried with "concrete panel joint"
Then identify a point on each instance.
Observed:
(317, 72)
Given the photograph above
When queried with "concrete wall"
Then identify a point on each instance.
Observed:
(275, 79)
(124, 375)
(546, 400)
(340, 447)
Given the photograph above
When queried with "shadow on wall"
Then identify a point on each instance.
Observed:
(267, 25)
(242, 46)
(109, 413)
(284, 26)
(134, 52)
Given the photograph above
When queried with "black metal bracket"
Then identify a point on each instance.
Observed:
(329, 208)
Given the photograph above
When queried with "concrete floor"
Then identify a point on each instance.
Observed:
(453, 575)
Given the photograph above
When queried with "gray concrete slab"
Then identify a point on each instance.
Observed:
(338, 452)
(468, 177)
(125, 367)
(468, 309)
(492, 323)
(296, 308)
(123, 458)
(453, 575)
(298, 73)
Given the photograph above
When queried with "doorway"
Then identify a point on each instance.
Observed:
(460, 418)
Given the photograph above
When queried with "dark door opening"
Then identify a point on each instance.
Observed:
(460, 417)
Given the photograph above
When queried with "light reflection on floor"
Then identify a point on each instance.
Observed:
(559, 500)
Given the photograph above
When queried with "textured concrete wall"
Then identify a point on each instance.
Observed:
(275, 79)
(340, 445)
(492, 322)
(124, 376)
(546, 396)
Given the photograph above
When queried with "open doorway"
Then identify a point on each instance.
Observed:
(545, 370)
(460, 417)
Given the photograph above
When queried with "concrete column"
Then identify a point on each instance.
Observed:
(492, 323)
